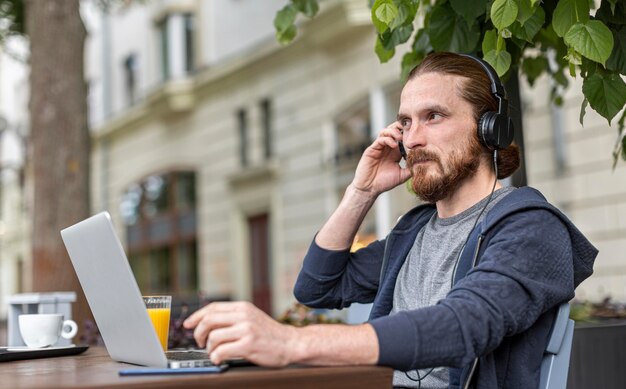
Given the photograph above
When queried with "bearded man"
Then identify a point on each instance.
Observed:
(464, 288)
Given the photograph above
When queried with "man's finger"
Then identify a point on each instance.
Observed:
(213, 321)
(223, 335)
(228, 350)
(389, 132)
(195, 317)
(193, 320)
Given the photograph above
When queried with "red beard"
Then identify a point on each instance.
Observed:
(432, 181)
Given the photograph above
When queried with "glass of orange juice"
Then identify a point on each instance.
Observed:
(159, 308)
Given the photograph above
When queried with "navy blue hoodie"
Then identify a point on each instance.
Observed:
(530, 258)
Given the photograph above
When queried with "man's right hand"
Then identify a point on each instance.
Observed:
(378, 170)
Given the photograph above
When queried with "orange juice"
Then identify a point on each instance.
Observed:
(161, 321)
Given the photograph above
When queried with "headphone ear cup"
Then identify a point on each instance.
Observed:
(495, 130)
(485, 129)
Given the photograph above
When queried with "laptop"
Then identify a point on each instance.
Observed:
(115, 300)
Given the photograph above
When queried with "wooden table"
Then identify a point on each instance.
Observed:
(95, 369)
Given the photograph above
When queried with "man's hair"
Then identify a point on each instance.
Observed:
(476, 90)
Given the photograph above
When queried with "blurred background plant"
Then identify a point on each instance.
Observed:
(180, 337)
(299, 315)
(603, 311)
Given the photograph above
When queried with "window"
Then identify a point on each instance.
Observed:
(160, 217)
(266, 126)
(176, 35)
(163, 39)
(242, 122)
(189, 42)
(353, 136)
(130, 77)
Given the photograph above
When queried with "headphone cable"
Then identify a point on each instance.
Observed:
(493, 188)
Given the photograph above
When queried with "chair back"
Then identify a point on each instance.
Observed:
(555, 363)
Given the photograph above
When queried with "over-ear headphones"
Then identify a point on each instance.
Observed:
(495, 129)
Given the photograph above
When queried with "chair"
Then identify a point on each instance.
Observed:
(555, 363)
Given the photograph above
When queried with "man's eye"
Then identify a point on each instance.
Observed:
(435, 116)
(405, 123)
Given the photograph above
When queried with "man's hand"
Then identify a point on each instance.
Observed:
(240, 330)
(378, 170)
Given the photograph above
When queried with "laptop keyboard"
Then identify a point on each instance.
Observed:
(199, 358)
(186, 355)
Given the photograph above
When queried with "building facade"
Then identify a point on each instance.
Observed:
(269, 137)
(15, 191)
(219, 153)
(218, 171)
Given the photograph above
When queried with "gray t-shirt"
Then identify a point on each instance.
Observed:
(426, 275)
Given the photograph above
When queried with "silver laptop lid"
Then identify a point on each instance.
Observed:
(112, 292)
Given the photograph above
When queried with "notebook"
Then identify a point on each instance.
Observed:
(115, 300)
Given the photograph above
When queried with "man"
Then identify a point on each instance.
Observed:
(490, 325)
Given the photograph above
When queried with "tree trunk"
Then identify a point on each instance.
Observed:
(59, 139)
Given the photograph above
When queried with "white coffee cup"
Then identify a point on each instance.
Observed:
(43, 329)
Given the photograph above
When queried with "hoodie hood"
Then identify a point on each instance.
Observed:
(526, 198)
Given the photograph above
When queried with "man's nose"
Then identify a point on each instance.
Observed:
(414, 137)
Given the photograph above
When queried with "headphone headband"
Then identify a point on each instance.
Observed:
(495, 129)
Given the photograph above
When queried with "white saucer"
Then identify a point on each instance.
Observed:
(26, 348)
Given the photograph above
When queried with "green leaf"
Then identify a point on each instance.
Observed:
(383, 54)
(617, 60)
(409, 61)
(606, 94)
(620, 144)
(592, 39)
(500, 60)
(307, 7)
(286, 36)
(285, 17)
(589, 67)
(284, 23)
(534, 67)
(379, 24)
(526, 10)
(583, 111)
(421, 42)
(449, 32)
(387, 12)
(503, 13)
(560, 78)
(531, 27)
(567, 13)
(500, 43)
(490, 40)
(392, 38)
(469, 10)
(534, 2)
(612, 15)
(557, 98)
(621, 130)
(547, 37)
(406, 14)
(402, 15)
(402, 34)
(518, 44)
(613, 3)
